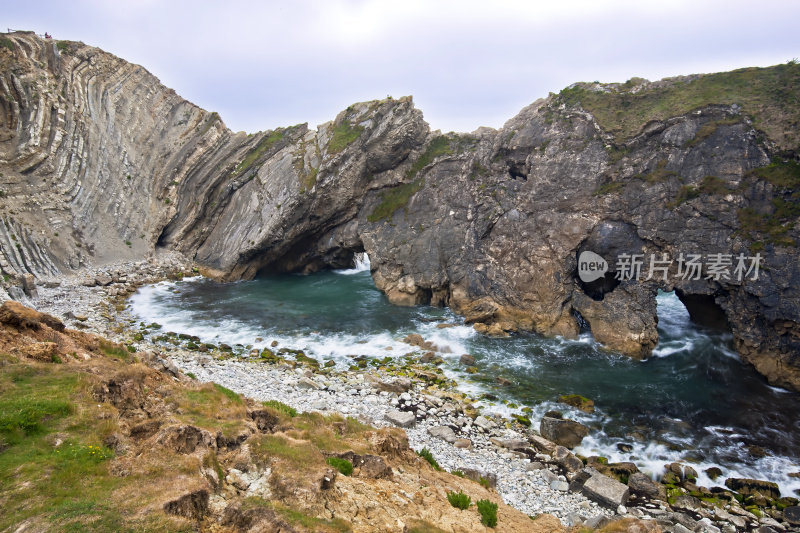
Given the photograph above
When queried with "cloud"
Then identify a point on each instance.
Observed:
(467, 63)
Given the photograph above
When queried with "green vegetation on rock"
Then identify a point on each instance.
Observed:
(344, 466)
(488, 512)
(459, 500)
(772, 226)
(426, 454)
(280, 407)
(344, 134)
(393, 199)
(263, 146)
(769, 95)
(6, 43)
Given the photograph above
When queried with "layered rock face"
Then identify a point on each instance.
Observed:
(99, 161)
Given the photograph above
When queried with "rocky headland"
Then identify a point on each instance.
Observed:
(109, 180)
(100, 162)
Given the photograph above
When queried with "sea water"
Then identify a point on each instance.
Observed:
(692, 401)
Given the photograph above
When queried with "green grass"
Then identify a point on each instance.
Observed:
(612, 187)
(280, 407)
(7, 43)
(459, 500)
(488, 512)
(426, 454)
(296, 517)
(772, 227)
(440, 146)
(62, 46)
(234, 397)
(706, 130)
(301, 455)
(708, 185)
(780, 173)
(114, 350)
(263, 146)
(771, 96)
(42, 481)
(393, 199)
(344, 134)
(344, 466)
(212, 119)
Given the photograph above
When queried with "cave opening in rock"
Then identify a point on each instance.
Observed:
(597, 289)
(303, 258)
(704, 310)
(517, 172)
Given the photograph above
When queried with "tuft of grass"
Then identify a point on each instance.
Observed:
(344, 466)
(191, 375)
(297, 454)
(62, 46)
(344, 134)
(228, 393)
(488, 512)
(26, 416)
(612, 187)
(459, 500)
(309, 523)
(280, 407)
(706, 130)
(440, 146)
(263, 146)
(7, 43)
(426, 454)
(769, 95)
(393, 199)
(114, 350)
(780, 173)
(423, 526)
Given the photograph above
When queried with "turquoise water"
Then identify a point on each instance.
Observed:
(693, 400)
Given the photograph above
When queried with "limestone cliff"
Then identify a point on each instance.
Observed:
(99, 161)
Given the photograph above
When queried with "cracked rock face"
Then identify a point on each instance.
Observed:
(101, 162)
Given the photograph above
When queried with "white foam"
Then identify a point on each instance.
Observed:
(361, 265)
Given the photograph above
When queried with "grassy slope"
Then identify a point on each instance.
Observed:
(770, 96)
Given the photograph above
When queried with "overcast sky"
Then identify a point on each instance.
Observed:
(467, 63)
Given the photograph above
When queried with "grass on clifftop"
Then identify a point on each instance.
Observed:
(65, 487)
(344, 135)
(771, 96)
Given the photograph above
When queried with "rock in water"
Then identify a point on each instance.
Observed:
(792, 515)
(564, 432)
(749, 487)
(644, 486)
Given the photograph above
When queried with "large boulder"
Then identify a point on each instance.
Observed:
(403, 419)
(563, 432)
(445, 433)
(749, 487)
(606, 491)
(566, 459)
(642, 485)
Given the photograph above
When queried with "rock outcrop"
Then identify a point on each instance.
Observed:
(99, 161)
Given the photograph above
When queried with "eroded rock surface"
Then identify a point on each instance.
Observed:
(101, 162)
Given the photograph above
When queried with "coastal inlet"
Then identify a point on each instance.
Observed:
(693, 401)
